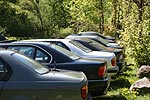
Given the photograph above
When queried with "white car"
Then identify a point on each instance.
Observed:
(85, 52)
(99, 39)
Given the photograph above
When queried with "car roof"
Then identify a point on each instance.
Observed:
(26, 43)
(45, 40)
(91, 32)
(84, 39)
(76, 36)
(31, 42)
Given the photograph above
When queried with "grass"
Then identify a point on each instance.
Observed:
(119, 88)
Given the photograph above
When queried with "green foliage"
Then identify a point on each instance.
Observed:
(12, 1)
(2, 30)
(58, 18)
(15, 22)
(136, 36)
(65, 32)
(49, 15)
(85, 15)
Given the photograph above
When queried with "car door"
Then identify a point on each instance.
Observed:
(3, 74)
(1, 81)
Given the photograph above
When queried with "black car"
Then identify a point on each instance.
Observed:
(56, 57)
(95, 46)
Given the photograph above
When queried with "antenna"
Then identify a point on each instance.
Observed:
(54, 65)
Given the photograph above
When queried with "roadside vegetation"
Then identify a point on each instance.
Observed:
(127, 20)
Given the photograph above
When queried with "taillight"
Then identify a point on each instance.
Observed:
(113, 62)
(101, 71)
(84, 91)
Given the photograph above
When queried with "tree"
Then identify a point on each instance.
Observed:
(15, 22)
(51, 14)
(12, 1)
(85, 15)
(101, 16)
(135, 34)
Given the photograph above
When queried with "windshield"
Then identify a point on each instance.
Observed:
(65, 52)
(82, 47)
(37, 67)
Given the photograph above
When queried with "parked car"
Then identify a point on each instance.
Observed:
(96, 46)
(2, 37)
(54, 56)
(82, 51)
(92, 33)
(21, 78)
(99, 39)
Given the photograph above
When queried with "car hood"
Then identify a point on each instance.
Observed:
(64, 76)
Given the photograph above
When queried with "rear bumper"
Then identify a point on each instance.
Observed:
(113, 71)
(99, 87)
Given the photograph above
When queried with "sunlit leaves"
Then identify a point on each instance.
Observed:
(136, 33)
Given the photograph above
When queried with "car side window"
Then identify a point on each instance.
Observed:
(3, 71)
(26, 50)
(42, 57)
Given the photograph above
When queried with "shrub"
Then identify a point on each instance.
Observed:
(137, 42)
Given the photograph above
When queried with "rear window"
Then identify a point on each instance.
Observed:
(65, 52)
(82, 47)
(96, 45)
(103, 40)
(37, 67)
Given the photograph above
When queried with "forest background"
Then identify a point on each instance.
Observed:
(127, 20)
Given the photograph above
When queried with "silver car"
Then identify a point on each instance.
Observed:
(21, 78)
(101, 40)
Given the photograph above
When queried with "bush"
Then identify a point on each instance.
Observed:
(137, 42)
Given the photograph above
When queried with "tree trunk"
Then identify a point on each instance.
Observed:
(114, 22)
(101, 23)
(140, 5)
(38, 14)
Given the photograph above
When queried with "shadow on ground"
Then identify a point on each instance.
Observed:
(144, 91)
(127, 68)
(112, 97)
(119, 83)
